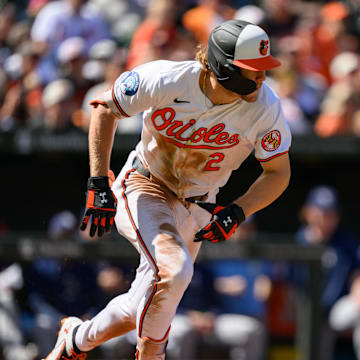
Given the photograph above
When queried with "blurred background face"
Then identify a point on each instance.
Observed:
(277, 7)
(111, 280)
(323, 221)
(58, 116)
(163, 12)
(74, 67)
(7, 18)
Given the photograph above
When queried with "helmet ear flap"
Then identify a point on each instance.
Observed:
(227, 74)
(236, 82)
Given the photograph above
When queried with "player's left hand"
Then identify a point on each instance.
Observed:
(222, 224)
(100, 205)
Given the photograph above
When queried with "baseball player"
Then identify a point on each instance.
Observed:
(201, 120)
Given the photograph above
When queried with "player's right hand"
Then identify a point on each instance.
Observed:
(100, 206)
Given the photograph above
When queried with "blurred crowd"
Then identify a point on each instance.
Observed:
(56, 55)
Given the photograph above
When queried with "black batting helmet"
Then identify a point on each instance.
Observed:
(237, 44)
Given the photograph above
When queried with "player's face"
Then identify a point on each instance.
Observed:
(258, 77)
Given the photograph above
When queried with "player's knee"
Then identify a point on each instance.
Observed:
(174, 262)
(149, 350)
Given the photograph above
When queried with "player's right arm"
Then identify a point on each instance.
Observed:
(132, 93)
(100, 202)
(101, 137)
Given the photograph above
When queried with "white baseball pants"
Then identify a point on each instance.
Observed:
(162, 229)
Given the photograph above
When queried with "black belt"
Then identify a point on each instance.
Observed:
(141, 169)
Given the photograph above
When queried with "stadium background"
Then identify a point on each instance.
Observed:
(44, 168)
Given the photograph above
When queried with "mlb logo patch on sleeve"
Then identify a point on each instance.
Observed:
(129, 83)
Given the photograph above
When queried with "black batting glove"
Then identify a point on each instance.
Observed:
(222, 224)
(100, 205)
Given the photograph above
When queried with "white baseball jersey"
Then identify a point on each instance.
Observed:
(187, 143)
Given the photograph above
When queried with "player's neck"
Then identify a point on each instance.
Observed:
(216, 93)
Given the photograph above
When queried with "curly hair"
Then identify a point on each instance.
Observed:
(202, 56)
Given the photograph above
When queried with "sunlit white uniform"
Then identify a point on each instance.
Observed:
(190, 148)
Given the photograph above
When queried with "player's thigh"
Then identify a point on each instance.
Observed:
(148, 215)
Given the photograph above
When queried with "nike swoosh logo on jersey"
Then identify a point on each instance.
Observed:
(176, 100)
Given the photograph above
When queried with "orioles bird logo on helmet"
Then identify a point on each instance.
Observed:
(264, 47)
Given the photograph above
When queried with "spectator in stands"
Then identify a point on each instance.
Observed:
(159, 36)
(281, 17)
(345, 314)
(81, 20)
(21, 89)
(13, 112)
(12, 337)
(304, 86)
(201, 19)
(225, 306)
(99, 56)
(72, 58)
(62, 19)
(286, 82)
(321, 216)
(7, 19)
(57, 286)
(34, 7)
(251, 13)
(113, 60)
(353, 20)
(99, 280)
(323, 35)
(62, 225)
(18, 33)
(113, 280)
(58, 103)
(340, 110)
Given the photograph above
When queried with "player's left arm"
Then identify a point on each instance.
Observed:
(268, 186)
(271, 148)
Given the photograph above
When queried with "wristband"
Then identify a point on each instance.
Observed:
(239, 212)
(99, 182)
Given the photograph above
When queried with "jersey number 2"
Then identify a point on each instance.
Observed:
(216, 158)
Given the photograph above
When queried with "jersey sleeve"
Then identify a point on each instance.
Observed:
(133, 92)
(275, 139)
